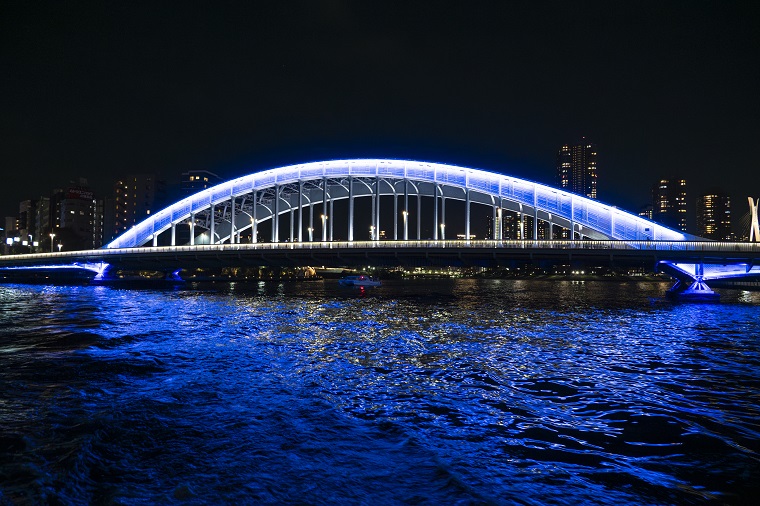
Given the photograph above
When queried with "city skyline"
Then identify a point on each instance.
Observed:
(662, 91)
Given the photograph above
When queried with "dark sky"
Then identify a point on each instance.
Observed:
(102, 89)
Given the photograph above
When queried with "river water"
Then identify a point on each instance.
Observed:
(422, 392)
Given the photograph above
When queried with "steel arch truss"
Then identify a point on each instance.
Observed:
(224, 211)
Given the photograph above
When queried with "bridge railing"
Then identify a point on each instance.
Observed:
(683, 246)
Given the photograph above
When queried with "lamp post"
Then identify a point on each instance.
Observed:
(311, 234)
(60, 245)
(52, 236)
(324, 228)
(443, 231)
(406, 230)
(371, 232)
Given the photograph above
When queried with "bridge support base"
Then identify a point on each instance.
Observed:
(173, 276)
(698, 291)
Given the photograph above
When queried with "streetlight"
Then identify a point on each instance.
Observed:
(60, 245)
(443, 232)
(324, 228)
(311, 232)
(52, 236)
(406, 230)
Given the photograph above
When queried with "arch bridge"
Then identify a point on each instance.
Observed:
(283, 203)
(268, 218)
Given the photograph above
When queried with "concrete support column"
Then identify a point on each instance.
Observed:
(435, 212)
(535, 213)
(443, 215)
(192, 229)
(232, 221)
(406, 209)
(276, 227)
(350, 209)
(325, 216)
(300, 211)
(212, 239)
(292, 223)
(377, 211)
(501, 208)
(419, 214)
(395, 213)
(467, 215)
(311, 221)
(254, 217)
(331, 217)
(572, 218)
(496, 215)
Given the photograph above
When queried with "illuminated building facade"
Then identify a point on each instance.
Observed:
(669, 203)
(73, 218)
(714, 216)
(576, 168)
(135, 198)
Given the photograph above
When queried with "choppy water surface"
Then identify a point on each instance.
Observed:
(429, 392)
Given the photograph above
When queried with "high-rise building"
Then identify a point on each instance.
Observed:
(73, 217)
(669, 203)
(194, 181)
(576, 168)
(27, 220)
(135, 197)
(647, 211)
(42, 220)
(714, 216)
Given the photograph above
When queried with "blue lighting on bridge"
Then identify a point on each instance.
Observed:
(99, 268)
(596, 219)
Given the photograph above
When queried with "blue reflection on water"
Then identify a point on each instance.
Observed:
(464, 391)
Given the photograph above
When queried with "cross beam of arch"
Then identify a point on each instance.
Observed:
(226, 210)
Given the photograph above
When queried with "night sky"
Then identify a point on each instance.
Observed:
(103, 89)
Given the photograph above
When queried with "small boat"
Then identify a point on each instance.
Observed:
(358, 280)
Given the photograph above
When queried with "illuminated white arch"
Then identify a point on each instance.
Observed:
(596, 219)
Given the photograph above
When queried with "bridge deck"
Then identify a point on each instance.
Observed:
(401, 253)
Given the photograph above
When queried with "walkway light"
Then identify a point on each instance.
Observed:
(371, 232)
(443, 231)
(311, 232)
(60, 245)
(406, 229)
(52, 236)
